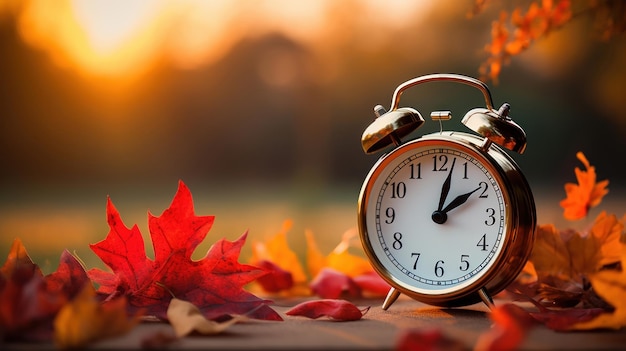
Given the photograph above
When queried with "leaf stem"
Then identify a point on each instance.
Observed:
(165, 288)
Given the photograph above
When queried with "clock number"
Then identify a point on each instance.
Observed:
(465, 170)
(417, 257)
(444, 161)
(391, 215)
(397, 241)
(482, 243)
(491, 214)
(465, 263)
(483, 186)
(398, 190)
(439, 268)
(416, 171)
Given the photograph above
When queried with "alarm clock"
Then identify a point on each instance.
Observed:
(447, 218)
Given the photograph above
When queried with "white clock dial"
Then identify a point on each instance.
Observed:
(435, 217)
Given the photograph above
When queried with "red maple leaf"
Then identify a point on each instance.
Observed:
(214, 283)
(29, 300)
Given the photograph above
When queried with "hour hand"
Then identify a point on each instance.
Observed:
(458, 201)
(441, 216)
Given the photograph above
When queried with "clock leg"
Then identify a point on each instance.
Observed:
(484, 295)
(392, 296)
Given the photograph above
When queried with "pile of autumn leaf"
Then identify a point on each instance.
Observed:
(573, 281)
(74, 306)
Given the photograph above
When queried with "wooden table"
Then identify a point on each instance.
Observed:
(378, 330)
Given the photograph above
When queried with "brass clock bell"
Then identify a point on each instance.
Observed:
(495, 126)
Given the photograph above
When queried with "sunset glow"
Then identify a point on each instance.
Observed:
(125, 39)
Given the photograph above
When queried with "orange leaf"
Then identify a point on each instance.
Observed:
(584, 195)
(564, 260)
(511, 325)
(569, 254)
(341, 260)
(607, 229)
(611, 286)
(499, 35)
(550, 255)
(528, 26)
(85, 320)
(315, 259)
(276, 251)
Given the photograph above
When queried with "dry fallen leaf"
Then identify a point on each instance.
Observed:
(186, 318)
(85, 319)
(611, 286)
(338, 310)
(331, 284)
(564, 260)
(564, 318)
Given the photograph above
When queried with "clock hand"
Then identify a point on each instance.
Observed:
(458, 201)
(441, 216)
(446, 187)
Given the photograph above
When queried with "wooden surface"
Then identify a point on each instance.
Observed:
(378, 330)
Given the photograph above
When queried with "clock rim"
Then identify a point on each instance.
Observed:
(518, 232)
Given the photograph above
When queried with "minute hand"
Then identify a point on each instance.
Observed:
(445, 188)
(458, 201)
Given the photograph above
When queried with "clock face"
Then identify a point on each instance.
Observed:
(434, 216)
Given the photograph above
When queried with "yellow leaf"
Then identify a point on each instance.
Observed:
(340, 259)
(277, 250)
(186, 318)
(611, 286)
(343, 261)
(315, 259)
(608, 230)
(349, 264)
(85, 319)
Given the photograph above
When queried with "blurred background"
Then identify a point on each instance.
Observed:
(259, 107)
